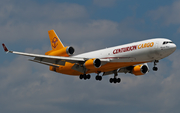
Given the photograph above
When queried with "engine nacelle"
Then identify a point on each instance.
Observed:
(140, 69)
(66, 51)
(92, 63)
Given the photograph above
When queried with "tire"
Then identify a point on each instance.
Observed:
(84, 76)
(118, 80)
(97, 77)
(80, 76)
(88, 76)
(111, 80)
(155, 68)
(100, 78)
(115, 80)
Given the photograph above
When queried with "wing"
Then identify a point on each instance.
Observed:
(52, 60)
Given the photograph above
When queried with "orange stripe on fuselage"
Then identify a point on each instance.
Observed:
(105, 68)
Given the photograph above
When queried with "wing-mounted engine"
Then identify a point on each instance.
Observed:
(140, 69)
(66, 51)
(92, 63)
(136, 70)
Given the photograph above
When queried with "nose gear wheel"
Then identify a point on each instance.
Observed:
(155, 63)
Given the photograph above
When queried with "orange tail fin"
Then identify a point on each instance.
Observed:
(58, 48)
(56, 43)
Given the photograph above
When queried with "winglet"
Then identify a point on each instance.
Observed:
(5, 48)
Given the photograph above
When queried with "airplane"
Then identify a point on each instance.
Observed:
(129, 58)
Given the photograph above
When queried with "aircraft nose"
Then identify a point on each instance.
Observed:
(172, 47)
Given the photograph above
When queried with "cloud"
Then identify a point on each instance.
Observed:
(104, 3)
(19, 20)
(28, 22)
(94, 29)
(34, 12)
(167, 14)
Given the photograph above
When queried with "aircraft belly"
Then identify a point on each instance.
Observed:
(113, 66)
(67, 69)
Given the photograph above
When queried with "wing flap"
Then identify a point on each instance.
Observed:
(45, 63)
(52, 61)
(78, 68)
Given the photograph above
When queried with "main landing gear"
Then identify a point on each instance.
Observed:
(115, 80)
(84, 76)
(98, 77)
(155, 63)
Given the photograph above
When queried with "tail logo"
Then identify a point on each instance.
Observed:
(54, 42)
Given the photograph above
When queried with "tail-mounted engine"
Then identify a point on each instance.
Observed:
(66, 51)
(92, 63)
(140, 69)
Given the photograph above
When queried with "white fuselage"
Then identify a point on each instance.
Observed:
(147, 50)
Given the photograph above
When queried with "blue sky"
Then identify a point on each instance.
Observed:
(86, 25)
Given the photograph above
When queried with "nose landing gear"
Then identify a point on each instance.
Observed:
(155, 63)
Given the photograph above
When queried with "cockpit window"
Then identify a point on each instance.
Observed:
(166, 42)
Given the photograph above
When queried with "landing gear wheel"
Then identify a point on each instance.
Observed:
(111, 80)
(88, 76)
(155, 68)
(155, 63)
(84, 76)
(118, 80)
(115, 80)
(81, 77)
(98, 77)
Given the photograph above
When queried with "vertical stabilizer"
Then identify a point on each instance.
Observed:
(56, 43)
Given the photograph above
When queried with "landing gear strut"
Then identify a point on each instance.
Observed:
(155, 63)
(84, 76)
(115, 80)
